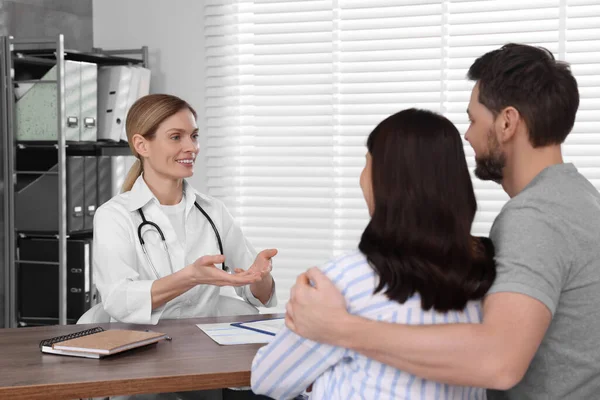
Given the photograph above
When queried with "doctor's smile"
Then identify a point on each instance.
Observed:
(186, 162)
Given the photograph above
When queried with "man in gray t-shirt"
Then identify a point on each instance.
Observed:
(540, 334)
(547, 241)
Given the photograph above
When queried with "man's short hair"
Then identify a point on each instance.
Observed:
(531, 80)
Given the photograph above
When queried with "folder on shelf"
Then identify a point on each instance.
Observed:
(119, 167)
(113, 93)
(104, 179)
(139, 86)
(90, 195)
(144, 87)
(75, 194)
(88, 124)
(37, 301)
(36, 107)
(132, 95)
(97, 342)
(72, 100)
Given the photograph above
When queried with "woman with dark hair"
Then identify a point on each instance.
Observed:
(416, 263)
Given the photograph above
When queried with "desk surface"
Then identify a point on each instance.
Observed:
(191, 361)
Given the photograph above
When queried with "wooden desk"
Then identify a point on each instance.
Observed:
(191, 361)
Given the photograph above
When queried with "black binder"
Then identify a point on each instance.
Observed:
(104, 179)
(36, 193)
(90, 192)
(38, 283)
(75, 193)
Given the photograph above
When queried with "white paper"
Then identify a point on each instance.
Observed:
(269, 325)
(225, 334)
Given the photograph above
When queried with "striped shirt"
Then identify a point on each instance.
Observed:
(289, 364)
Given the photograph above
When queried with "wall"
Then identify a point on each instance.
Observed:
(173, 32)
(48, 18)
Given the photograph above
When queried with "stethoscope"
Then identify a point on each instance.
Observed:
(162, 237)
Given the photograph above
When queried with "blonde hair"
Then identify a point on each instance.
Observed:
(143, 118)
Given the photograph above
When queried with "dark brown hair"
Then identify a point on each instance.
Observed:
(529, 79)
(418, 240)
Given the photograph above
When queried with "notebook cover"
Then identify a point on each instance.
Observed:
(110, 341)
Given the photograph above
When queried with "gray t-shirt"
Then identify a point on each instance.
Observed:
(547, 241)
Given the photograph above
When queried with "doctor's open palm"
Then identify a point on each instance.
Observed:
(207, 273)
(262, 265)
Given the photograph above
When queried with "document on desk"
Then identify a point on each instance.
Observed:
(231, 334)
(266, 326)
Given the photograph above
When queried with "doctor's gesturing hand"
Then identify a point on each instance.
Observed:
(203, 271)
(206, 272)
(262, 267)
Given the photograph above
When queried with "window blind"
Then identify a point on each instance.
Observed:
(474, 28)
(293, 88)
(581, 48)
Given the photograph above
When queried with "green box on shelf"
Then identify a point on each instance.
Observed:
(36, 109)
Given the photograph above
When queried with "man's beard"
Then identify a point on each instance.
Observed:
(489, 167)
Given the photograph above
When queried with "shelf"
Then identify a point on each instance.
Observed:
(102, 148)
(28, 60)
(37, 262)
(54, 234)
(113, 149)
(31, 234)
(35, 81)
(35, 55)
(41, 321)
(36, 172)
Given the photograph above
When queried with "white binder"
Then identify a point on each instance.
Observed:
(144, 82)
(113, 94)
(139, 87)
(132, 95)
(120, 166)
(72, 99)
(89, 102)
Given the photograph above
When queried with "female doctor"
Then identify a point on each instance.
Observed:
(157, 245)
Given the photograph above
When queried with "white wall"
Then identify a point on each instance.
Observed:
(173, 32)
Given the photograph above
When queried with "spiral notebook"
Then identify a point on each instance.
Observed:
(97, 342)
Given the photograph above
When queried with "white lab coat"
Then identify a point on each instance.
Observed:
(122, 273)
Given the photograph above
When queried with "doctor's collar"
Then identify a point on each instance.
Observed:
(140, 195)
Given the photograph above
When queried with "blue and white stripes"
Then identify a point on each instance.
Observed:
(289, 364)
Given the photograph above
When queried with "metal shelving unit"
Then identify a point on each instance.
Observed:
(18, 51)
(6, 121)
